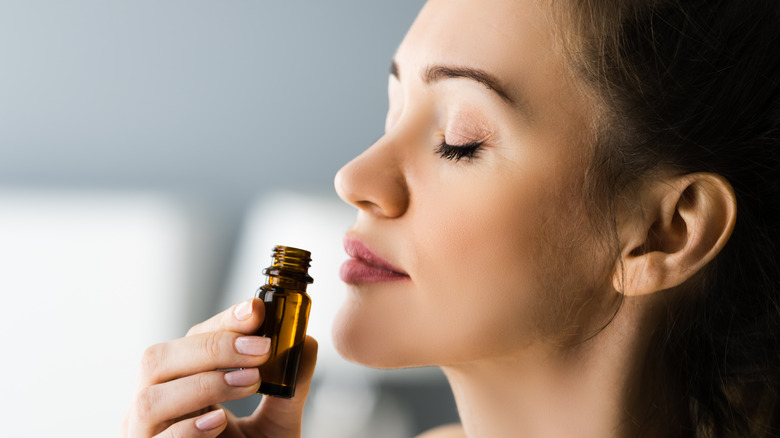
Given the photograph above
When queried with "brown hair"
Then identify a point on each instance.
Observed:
(688, 86)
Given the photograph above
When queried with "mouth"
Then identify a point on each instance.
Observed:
(366, 267)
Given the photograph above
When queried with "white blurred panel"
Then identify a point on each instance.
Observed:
(88, 282)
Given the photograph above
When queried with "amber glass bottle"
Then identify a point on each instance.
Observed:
(286, 314)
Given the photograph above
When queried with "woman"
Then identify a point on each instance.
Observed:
(573, 212)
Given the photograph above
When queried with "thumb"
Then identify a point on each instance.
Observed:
(280, 417)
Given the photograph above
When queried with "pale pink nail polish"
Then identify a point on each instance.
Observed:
(243, 311)
(212, 420)
(245, 377)
(253, 345)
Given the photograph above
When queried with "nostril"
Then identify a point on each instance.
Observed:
(371, 208)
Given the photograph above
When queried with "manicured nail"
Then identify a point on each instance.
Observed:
(253, 345)
(243, 311)
(245, 377)
(212, 420)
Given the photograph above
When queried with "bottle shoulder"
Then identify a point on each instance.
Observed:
(266, 290)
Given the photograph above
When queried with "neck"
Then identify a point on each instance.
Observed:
(600, 388)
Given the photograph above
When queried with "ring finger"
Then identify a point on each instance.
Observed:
(156, 406)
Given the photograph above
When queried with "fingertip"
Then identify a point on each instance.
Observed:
(243, 317)
(243, 377)
(308, 361)
(310, 349)
(258, 310)
(244, 310)
(210, 421)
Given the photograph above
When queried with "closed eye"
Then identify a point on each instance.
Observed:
(456, 153)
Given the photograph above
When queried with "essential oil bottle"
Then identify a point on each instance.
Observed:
(286, 315)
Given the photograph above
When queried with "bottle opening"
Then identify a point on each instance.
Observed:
(288, 257)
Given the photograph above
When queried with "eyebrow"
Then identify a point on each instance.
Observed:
(436, 73)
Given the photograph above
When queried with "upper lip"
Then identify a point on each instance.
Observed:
(356, 249)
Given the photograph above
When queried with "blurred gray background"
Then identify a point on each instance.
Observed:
(217, 101)
(211, 104)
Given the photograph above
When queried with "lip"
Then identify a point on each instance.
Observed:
(364, 266)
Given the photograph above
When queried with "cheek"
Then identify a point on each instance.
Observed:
(508, 261)
(484, 266)
(467, 239)
(497, 265)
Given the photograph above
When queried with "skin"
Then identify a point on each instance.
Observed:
(506, 288)
(511, 214)
(180, 387)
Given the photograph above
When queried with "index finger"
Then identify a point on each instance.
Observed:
(244, 317)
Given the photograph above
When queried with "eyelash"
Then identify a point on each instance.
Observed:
(459, 152)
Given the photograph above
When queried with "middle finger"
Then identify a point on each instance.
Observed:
(204, 352)
(160, 405)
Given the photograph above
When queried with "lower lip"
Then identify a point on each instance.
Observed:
(355, 271)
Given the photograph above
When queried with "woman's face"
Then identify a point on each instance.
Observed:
(471, 239)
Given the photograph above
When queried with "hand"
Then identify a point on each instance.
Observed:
(180, 387)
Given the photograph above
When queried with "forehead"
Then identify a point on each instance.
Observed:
(502, 36)
(517, 42)
(514, 40)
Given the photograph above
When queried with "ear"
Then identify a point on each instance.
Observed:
(683, 222)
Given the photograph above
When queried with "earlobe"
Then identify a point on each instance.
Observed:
(683, 224)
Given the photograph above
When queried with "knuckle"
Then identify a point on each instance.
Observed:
(146, 402)
(174, 432)
(212, 344)
(151, 361)
(203, 384)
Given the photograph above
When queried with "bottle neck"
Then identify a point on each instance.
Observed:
(287, 279)
(289, 269)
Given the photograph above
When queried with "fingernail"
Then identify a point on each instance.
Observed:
(245, 377)
(243, 311)
(253, 345)
(212, 420)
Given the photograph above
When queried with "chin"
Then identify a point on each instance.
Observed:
(364, 340)
(355, 342)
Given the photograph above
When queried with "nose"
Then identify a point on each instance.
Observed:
(375, 181)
